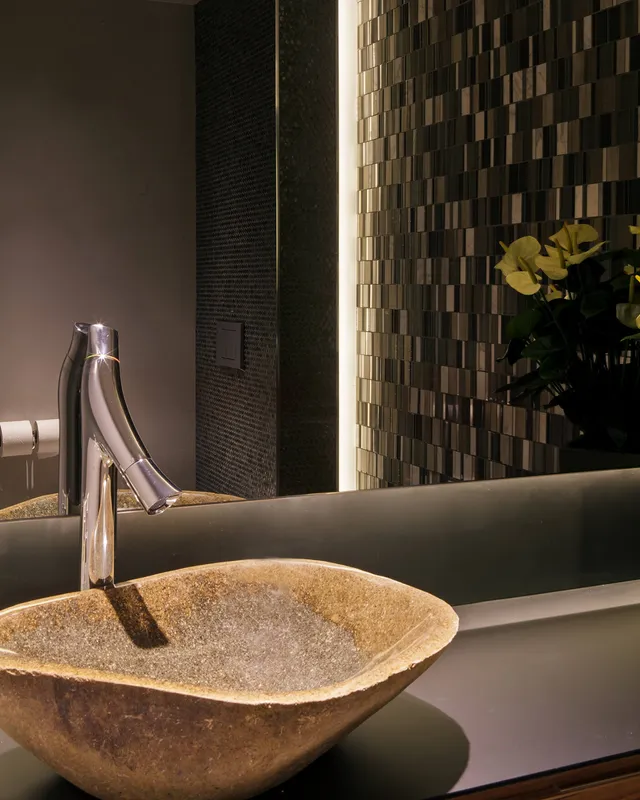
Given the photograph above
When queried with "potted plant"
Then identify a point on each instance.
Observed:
(581, 334)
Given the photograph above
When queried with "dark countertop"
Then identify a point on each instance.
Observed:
(529, 685)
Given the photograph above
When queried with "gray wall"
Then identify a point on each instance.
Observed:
(97, 211)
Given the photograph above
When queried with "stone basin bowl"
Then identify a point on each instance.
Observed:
(47, 504)
(210, 683)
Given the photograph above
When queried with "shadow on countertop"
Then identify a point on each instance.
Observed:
(409, 750)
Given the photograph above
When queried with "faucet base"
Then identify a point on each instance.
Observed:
(98, 519)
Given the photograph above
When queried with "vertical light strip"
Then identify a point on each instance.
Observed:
(348, 237)
(277, 287)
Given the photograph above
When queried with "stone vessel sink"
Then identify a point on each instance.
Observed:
(47, 504)
(210, 683)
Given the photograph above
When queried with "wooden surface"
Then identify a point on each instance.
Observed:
(613, 779)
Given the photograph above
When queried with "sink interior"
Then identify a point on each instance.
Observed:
(257, 639)
(261, 627)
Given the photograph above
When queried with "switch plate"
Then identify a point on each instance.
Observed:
(230, 344)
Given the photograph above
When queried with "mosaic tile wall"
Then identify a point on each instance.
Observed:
(479, 121)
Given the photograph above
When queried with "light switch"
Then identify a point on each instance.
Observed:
(230, 344)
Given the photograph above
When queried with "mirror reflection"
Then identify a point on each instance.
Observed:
(461, 303)
(97, 158)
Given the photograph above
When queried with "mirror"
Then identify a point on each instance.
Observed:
(294, 316)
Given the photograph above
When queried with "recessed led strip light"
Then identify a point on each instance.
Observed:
(348, 237)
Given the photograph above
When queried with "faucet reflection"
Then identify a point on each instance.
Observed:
(97, 440)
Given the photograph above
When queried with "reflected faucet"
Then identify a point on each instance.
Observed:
(97, 440)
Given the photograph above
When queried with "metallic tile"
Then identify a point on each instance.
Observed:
(479, 121)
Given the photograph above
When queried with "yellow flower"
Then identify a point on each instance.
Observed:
(629, 270)
(635, 230)
(553, 264)
(571, 237)
(578, 258)
(629, 314)
(553, 293)
(518, 265)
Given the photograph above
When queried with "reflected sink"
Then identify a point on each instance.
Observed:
(47, 504)
(210, 683)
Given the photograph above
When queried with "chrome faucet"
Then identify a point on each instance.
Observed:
(97, 440)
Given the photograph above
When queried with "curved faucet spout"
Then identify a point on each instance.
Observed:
(108, 443)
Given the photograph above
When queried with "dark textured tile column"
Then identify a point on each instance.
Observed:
(236, 411)
(267, 245)
(480, 121)
(308, 253)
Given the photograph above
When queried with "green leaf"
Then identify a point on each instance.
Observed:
(612, 255)
(584, 277)
(632, 257)
(566, 313)
(620, 282)
(627, 255)
(559, 306)
(530, 391)
(522, 326)
(513, 353)
(525, 381)
(558, 399)
(595, 303)
(554, 367)
(633, 338)
(541, 348)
